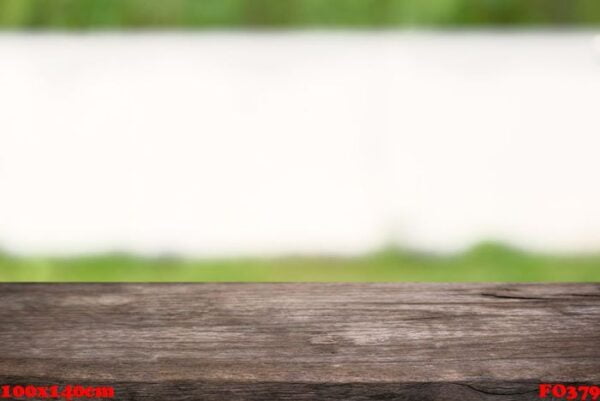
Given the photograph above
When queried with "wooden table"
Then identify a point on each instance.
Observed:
(302, 341)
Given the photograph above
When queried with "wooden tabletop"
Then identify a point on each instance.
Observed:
(302, 341)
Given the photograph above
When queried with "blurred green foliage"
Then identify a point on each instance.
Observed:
(105, 14)
(485, 262)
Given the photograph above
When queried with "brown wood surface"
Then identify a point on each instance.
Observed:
(302, 341)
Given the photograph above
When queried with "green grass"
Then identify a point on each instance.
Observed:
(486, 262)
(102, 14)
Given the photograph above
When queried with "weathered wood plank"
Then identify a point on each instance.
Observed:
(302, 341)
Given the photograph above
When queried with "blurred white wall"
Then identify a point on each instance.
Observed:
(237, 143)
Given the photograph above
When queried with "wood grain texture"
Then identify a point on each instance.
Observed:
(302, 341)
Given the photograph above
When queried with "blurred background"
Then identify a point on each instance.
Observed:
(299, 140)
